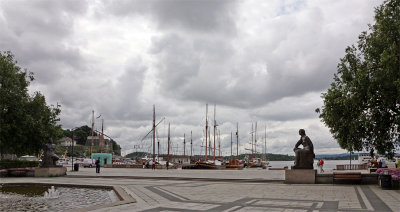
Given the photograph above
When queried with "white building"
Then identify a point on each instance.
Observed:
(66, 141)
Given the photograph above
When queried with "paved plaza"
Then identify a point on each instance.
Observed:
(241, 175)
(227, 195)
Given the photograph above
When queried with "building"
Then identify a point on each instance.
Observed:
(66, 141)
(105, 158)
(179, 159)
(98, 144)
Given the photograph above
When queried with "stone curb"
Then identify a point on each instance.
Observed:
(124, 197)
(255, 180)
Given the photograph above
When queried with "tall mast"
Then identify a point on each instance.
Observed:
(237, 140)
(252, 144)
(206, 131)
(231, 146)
(209, 141)
(92, 130)
(265, 143)
(154, 133)
(101, 138)
(255, 142)
(191, 145)
(169, 139)
(219, 143)
(184, 145)
(215, 126)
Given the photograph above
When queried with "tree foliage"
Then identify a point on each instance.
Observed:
(80, 134)
(362, 105)
(26, 122)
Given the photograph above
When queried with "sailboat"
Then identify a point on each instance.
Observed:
(235, 163)
(207, 164)
(255, 161)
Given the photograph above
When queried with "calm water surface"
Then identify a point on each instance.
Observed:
(328, 164)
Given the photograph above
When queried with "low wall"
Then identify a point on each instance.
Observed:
(365, 178)
(50, 172)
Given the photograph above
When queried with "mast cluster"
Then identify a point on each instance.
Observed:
(208, 146)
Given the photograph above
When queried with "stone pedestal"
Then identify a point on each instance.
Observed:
(300, 176)
(50, 172)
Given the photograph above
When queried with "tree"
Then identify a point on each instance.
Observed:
(116, 148)
(362, 105)
(80, 134)
(26, 122)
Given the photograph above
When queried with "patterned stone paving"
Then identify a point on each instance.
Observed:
(174, 195)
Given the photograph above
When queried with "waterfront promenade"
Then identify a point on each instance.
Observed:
(254, 175)
(173, 193)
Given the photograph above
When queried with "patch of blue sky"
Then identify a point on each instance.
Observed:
(290, 6)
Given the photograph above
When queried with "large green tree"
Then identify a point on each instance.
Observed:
(26, 122)
(362, 105)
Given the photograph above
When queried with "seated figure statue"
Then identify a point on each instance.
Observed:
(49, 156)
(304, 157)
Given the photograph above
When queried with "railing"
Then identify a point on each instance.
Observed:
(352, 167)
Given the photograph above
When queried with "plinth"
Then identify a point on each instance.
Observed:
(300, 176)
(50, 172)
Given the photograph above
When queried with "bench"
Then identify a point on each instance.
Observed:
(346, 177)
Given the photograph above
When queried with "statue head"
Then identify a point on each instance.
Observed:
(302, 132)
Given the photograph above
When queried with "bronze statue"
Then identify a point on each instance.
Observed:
(49, 156)
(304, 157)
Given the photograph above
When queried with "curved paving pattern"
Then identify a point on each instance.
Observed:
(178, 195)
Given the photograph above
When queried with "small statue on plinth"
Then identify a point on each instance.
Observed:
(49, 156)
(304, 157)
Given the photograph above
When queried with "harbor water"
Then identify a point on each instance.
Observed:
(328, 164)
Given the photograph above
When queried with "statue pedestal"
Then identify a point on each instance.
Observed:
(300, 176)
(50, 172)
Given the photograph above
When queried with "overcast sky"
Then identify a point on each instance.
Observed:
(258, 61)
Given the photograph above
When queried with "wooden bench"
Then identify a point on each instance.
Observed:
(346, 177)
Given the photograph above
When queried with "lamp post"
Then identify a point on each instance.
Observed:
(73, 149)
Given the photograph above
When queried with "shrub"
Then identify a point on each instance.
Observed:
(7, 164)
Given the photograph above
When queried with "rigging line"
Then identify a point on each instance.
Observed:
(162, 119)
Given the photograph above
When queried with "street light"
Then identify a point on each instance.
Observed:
(73, 130)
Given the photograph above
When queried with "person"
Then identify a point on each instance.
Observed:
(383, 163)
(167, 164)
(321, 165)
(153, 165)
(304, 157)
(98, 165)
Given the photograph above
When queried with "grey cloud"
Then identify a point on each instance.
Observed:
(36, 31)
(267, 68)
(199, 16)
(301, 58)
(206, 15)
(290, 108)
